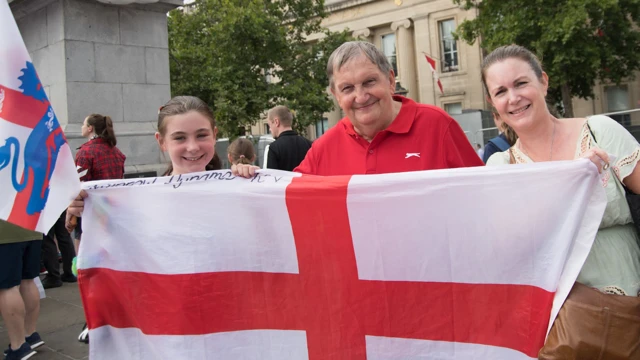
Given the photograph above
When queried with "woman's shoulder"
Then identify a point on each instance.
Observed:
(499, 158)
(608, 131)
(603, 123)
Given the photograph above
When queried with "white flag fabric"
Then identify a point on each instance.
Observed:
(448, 264)
(37, 170)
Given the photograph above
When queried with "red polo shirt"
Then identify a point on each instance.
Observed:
(421, 137)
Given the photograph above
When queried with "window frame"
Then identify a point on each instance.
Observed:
(455, 52)
(394, 65)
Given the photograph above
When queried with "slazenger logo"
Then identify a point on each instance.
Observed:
(408, 155)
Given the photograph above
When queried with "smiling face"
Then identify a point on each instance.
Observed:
(364, 93)
(190, 141)
(516, 92)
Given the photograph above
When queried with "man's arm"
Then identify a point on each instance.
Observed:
(458, 151)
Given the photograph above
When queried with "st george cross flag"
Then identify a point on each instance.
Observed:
(447, 264)
(37, 171)
(432, 65)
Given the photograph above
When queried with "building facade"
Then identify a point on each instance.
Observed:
(407, 30)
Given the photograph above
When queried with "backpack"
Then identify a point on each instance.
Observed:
(501, 143)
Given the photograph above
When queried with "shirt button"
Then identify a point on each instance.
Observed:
(370, 151)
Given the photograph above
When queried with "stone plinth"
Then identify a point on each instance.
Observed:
(100, 57)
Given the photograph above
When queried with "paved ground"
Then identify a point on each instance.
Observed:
(60, 322)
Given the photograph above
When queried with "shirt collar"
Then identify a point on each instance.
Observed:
(96, 140)
(288, 133)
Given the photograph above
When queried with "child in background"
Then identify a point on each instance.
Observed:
(241, 151)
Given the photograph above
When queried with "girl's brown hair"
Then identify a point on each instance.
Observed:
(102, 127)
(242, 152)
(181, 105)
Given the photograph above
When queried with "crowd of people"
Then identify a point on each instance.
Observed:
(387, 133)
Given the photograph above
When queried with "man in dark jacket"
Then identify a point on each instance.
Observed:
(289, 149)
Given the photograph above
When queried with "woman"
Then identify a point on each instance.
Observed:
(99, 159)
(601, 317)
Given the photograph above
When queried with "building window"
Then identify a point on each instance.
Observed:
(449, 46)
(453, 108)
(321, 126)
(389, 50)
(618, 100)
(267, 130)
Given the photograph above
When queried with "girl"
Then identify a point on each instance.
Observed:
(187, 132)
(241, 151)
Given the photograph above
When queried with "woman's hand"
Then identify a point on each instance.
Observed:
(599, 157)
(243, 170)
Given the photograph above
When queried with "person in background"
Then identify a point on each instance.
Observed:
(98, 159)
(601, 317)
(381, 132)
(289, 149)
(19, 296)
(479, 150)
(241, 151)
(50, 256)
(505, 139)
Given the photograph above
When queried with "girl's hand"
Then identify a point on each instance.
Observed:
(77, 205)
(243, 170)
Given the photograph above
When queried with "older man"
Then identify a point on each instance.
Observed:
(381, 132)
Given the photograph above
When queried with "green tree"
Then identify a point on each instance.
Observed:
(578, 41)
(224, 50)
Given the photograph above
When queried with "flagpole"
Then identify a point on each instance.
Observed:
(433, 75)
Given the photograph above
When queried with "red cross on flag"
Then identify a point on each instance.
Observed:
(432, 65)
(37, 171)
(421, 265)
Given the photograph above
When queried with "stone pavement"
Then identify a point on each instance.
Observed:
(60, 322)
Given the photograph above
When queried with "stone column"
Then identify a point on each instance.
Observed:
(94, 57)
(362, 34)
(406, 57)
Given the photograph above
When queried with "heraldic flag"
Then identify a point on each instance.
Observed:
(446, 264)
(37, 171)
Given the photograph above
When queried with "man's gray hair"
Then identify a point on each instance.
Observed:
(353, 49)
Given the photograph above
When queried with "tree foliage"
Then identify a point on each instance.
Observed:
(578, 41)
(223, 50)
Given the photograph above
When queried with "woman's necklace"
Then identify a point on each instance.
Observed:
(553, 137)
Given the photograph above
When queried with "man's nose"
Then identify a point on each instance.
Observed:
(362, 95)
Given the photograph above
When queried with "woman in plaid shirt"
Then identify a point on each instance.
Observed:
(99, 156)
(101, 160)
